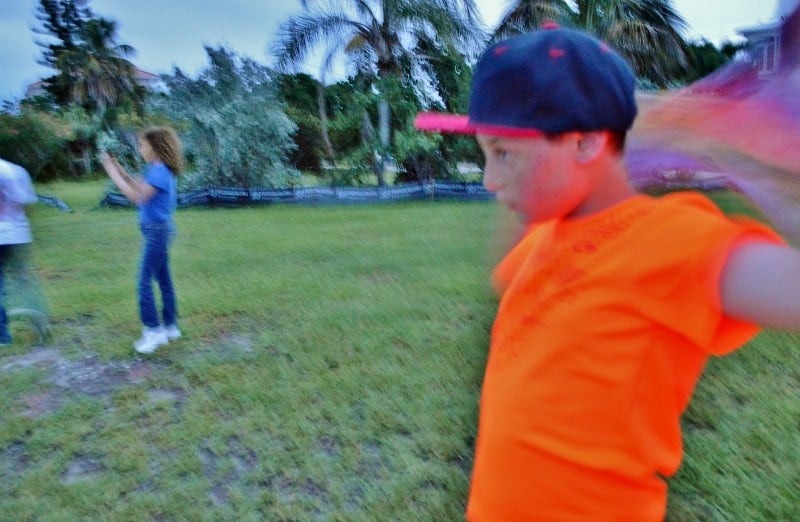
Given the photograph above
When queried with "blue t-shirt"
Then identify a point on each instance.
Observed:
(161, 206)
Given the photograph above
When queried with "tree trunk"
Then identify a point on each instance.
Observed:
(87, 159)
(368, 138)
(384, 121)
(323, 121)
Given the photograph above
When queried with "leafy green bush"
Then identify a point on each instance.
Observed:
(419, 158)
(39, 142)
(309, 149)
(234, 127)
(356, 168)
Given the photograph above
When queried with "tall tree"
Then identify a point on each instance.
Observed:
(705, 58)
(300, 92)
(646, 32)
(102, 75)
(62, 22)
(232, 123)
(93, 69)
(377, 36)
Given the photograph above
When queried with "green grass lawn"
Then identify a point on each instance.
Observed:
(330, 370)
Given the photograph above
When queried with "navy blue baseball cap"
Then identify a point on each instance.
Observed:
(551, 80)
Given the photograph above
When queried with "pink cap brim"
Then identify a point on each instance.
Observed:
(458, 124)
(439, 122)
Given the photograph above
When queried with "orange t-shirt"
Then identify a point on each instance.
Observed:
(604, 326)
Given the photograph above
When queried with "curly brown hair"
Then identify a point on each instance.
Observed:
(166, 144)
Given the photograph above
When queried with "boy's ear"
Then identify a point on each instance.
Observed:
(590, 145)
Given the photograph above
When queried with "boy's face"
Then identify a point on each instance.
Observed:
(535, 177)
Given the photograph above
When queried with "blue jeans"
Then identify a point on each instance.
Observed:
(156, 239)
(5, 253)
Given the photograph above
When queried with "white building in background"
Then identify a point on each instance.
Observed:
(764, 41)
(151, 82)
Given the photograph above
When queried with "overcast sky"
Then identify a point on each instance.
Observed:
(172, 33)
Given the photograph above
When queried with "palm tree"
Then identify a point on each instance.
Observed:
(92, 68)
(97, 76)
(377, 36)
(646, 32)
(98, 66)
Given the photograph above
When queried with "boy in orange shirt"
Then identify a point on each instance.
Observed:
(611, 302)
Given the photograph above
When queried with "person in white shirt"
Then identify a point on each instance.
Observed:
(16, 191)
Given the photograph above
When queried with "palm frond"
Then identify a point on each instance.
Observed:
(301, 34)
(527, 15)
(646, 32)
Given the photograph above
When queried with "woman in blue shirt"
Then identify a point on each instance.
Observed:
(156, 198)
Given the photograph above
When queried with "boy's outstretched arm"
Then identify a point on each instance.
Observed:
(760, 283)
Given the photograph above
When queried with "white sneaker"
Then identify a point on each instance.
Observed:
(151, 339)
(172, 332)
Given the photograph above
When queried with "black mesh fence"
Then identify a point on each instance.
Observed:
(239, 196)
(233, 196)
(52, 201)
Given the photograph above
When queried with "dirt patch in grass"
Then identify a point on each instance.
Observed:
(237, 459)
(39, 404)
(99, 379)
(87, 375)
(81, 469)
(15, 457)
(242, 342)
(63, 374)
(34, 358)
